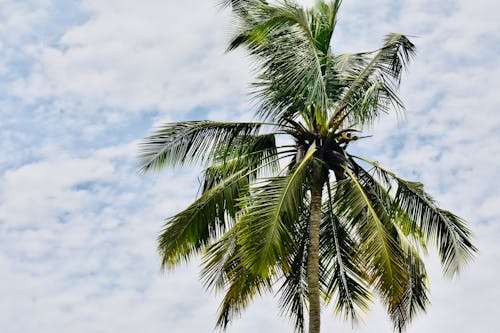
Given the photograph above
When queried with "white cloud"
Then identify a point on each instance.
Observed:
(18, 19)
(151, 52)
(46, 189)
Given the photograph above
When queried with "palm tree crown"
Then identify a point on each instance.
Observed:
(308, 216)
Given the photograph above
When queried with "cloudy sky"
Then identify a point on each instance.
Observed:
(81, 82)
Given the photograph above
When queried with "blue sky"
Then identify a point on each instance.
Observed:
(81, 82)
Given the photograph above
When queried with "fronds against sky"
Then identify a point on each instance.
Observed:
(309, 217)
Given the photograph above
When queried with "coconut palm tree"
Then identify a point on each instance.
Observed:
(283, 203)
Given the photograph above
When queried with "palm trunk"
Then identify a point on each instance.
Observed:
(313, 259)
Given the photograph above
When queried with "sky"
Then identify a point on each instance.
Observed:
(81, 82)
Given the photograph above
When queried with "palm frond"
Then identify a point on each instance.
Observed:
(448, 231)
(219, 260)
(291, 46)
(244, 285)
(371, 83)
(343, 279)
(256, 153)
(174, 144)
(223, 269)
(214, 211)
(379, 246)
(293, 299)
(189, 231)
(415, 298)
(237, 6)
(343, 273)
(322, 20)
(269, 207)
(403, 307)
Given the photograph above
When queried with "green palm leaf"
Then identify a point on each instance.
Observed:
(256, 153)
(446, 230)
(219, 260)
(371, 83)
(223, 270)
(402, 307)
(344, 278)
(175, 144)
(379, 246)
(189, 231)
(415, 297)
(291, 45)
(293, 300)
(210, 215)
(244, 285)
(269, 209)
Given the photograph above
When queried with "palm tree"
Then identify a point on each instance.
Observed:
(305, 216)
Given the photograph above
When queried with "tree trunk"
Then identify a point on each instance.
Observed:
(313, 258)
